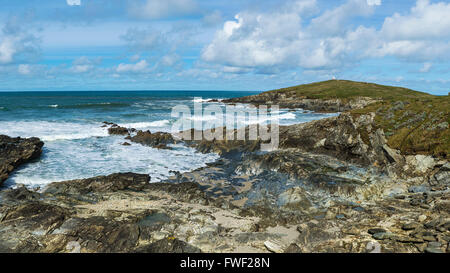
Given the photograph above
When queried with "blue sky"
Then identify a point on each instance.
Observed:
(222, 45)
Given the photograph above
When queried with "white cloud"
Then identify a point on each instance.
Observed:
(73, 2)
(81, 68)
(425, 21)
(7, 50)
(84, 64)
(157, 9)
(373, 2)
(137, 67)
(170, 59)
(334, 21)
(283, 39)
(17, 43)
(426, 67)
(24, 69)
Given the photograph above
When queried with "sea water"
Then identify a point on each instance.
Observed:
(77, 146)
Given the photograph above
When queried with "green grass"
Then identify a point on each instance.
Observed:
(414, 122)
(342, 89)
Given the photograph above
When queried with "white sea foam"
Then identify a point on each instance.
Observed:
(200, 100)
(69, 159)
(202, 118)
(51, 131)
(53, 106)
(142, 125)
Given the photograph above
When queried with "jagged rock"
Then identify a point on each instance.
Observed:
(168, 245)
(294, 198)
(100, 234)
(113, 182)
(188, 191)
(293, 248)
(117, 130)
(317, 105)
(15, 152)
(157, 140)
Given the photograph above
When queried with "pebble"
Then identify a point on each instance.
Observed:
(405, 239)
(373, 231)
(274, 246)
(422, 218)
(410, 226)
(429, 238)
(433, 250)
(384, 236)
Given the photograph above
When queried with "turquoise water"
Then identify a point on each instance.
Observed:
(77, 146)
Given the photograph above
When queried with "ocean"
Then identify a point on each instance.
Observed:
(77, 146)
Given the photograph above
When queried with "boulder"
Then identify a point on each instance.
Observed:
(17, 151)
(158, 140)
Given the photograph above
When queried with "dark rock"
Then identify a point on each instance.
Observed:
(99, 234)
(110, 183)
(293, 248)
(35, 215)
(384, 236)
(418, 189)
(186, 191)
(19, 194)
(410, 226)
(376, 230)
(117, 130)
(15, 152)
(158, 139)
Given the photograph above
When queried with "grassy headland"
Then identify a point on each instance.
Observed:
(414, 122)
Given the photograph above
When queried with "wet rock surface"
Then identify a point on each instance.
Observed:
(17, 151)
(158, 140)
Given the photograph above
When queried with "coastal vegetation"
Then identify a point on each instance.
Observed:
(413, 122)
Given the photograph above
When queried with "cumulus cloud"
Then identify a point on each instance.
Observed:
(73, 2)
(135, 68)
(280, 38)
(426, 67)
(283, 39)
(24, 69)
(84, 64)
(158, 9)
(17, 43)
(425, 21)
(373, 2)
(7, 50)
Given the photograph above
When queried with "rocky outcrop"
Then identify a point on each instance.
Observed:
(345, 137)
(293, 102)
(110, 183)
(157, 140)
(15, 152)
(117, 130)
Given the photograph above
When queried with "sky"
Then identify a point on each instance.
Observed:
(253, 45)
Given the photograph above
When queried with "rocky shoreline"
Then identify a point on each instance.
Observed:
(333, 185)
(17, 151)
